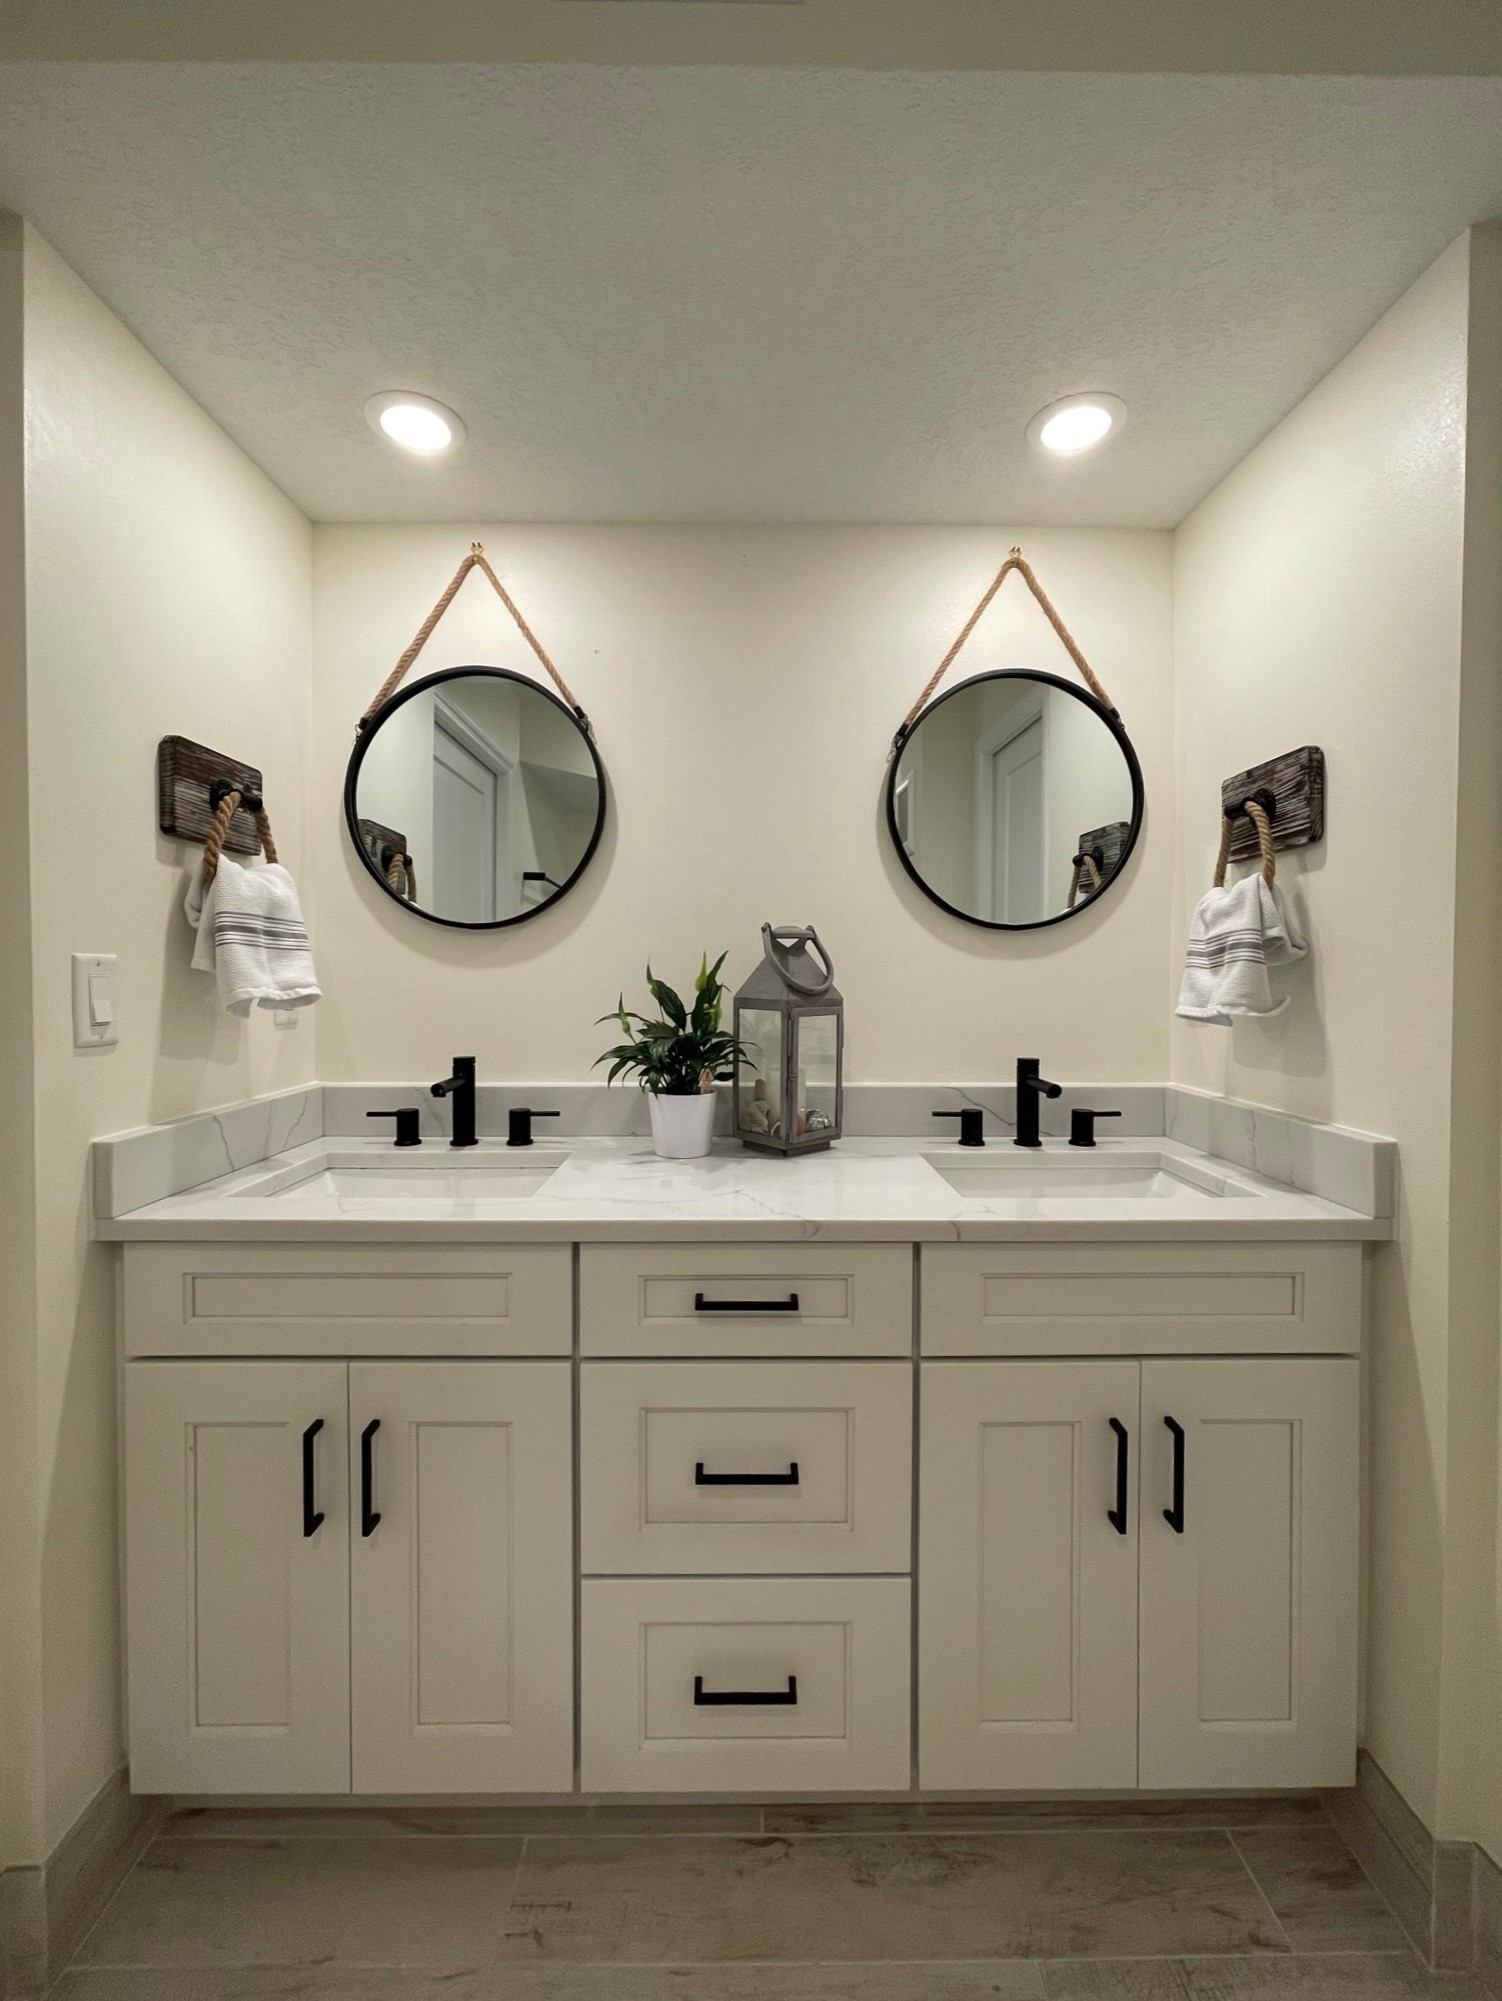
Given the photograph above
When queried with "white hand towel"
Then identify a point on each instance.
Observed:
(251, 937)
(1237, 933)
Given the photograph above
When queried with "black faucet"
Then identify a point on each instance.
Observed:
(461, 1088)
(1030, 1087)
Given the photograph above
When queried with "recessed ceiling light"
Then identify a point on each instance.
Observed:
(1077, 423)
(417, 423)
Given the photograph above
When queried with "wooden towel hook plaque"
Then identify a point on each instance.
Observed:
(1290, 790)
(186, 774)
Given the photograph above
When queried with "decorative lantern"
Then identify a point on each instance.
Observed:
(791, 1019)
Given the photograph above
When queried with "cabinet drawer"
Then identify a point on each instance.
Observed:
(746, 1466)
(751, 1299)
(325, 1299)
(1140, 1299)
(661, 1655)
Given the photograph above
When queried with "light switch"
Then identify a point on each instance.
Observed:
(96, 1020)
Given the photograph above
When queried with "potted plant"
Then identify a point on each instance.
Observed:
(677, 1059)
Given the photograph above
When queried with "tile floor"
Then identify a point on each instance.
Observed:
(1185, 1900)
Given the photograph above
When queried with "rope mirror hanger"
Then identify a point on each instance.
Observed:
(1018, 562)
(482, 781)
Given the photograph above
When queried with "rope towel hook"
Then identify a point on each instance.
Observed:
(226, 805)
(401, 876)
(1018, 562)
(1259, 810)
(1086, 875)
(475, 560)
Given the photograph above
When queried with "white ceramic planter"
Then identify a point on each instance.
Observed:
(682, 1128)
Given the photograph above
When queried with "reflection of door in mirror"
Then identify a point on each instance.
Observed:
(471, 820)
(1011, 823)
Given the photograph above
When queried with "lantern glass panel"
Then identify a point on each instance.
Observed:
(761, 1095)
(817, 1066)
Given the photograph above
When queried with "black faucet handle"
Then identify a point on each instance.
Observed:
(519, 1124)
(1082, 1125)
(408, 1132)
(972, 1125)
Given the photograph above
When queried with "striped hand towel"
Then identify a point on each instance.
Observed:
(251, 937)
(1237, 933)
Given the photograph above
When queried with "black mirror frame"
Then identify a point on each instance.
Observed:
(366, 737)
(1124, 743)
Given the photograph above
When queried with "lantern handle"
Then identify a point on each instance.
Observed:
(776, 938)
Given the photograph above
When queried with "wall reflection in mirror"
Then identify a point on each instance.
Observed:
(1014, 800)
(475, 797)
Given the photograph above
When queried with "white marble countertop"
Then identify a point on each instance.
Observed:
(617, 1189)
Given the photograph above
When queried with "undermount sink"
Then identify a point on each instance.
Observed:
(1114, 1175)
(423, 1177)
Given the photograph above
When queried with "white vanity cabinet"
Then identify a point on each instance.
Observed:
(343, 1573)
(1138, 1570)
(369, 1488)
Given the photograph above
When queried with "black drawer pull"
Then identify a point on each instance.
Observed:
(788, 1479)
(1117, 1516)
(703, 1305)
(369, 1516)
(312, 1517)
(1174, 1516)
(746, 1698)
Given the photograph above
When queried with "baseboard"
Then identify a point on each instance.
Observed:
(1488, 1907)
(1430, 1884)
(23, 1934)
(46, 1911)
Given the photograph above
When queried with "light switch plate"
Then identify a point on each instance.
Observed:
(96, 1005)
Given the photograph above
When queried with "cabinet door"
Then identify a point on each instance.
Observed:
(1027, 1589)
(237, 1576)
(462, 1579)
(1248, 1652)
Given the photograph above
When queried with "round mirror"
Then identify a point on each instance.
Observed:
(1014, 800)
(475, 797)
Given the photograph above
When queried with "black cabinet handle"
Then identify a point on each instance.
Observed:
(703, 1305)
(1117, 1516)
(312, 1519)
(746, 1698)
(368, 1515)
(1174, 1516)
(788, 1479)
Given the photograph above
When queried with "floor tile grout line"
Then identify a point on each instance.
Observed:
(1282, 1929)
(444, 1967)
(510, 1904)
(589, 1831)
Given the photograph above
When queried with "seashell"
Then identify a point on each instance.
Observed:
(818, 1122)
(755, 1118)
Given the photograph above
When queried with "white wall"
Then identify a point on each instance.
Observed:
(1318, 600)
(744, 686)
(1470, 1741)
(167, 590)
(20, 1616)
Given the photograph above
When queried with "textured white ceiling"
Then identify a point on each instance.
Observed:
(1228, 37)
(739, 294)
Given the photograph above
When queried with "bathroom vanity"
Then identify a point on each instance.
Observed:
(892, 1468)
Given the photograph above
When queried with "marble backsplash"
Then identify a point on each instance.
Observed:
(1356, 1170)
